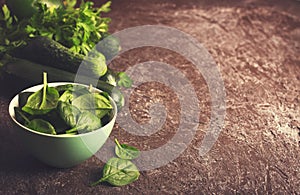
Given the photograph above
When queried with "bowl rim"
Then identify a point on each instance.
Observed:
(14, 102)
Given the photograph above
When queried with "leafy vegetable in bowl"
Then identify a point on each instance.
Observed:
(64, 109)
(61, 150)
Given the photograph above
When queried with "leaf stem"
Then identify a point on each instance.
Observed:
(44, 89)
(70, 131)
(24, 117)
(99, 181)
(109, 175)
(118, 144)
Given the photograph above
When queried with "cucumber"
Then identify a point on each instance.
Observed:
(32, 72)
(45, 51)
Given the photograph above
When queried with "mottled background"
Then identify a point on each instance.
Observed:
(256, 45)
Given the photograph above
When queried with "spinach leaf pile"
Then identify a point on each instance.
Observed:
(120, 171)
(69, 109)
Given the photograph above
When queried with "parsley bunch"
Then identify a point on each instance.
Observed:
(12, 33)
(78, 29)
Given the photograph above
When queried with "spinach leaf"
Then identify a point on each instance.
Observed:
(42, 126)
(67, 96)
(126, 152)
(97, 103)
(70, 94)
(62, 88)
(100, 113)
(54, 118)
(107, 118)
(68, 113)
(23, 97)
(21, 116)
(124, 80)
(119, 172)
(71, 87)
(43, 100)
(92, 101)
(87, 122)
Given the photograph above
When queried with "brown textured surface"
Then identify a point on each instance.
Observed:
(256, 46)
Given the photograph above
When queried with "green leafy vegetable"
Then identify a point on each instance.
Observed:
(70, 3)
(71, 109)
(42, 101)
(68, 113)
(67, 96)
(36, 124)
(11, 35)
(54, 118)
(62, 88)
(100, 113)
(42, 126)
(109, 78)
(124, 80)
(87, 122)
(94, 102)
(119, 172)
(21, 116)
(70, 92)
(125, 151)
(121, 79)
(23, 97)
(26, 8)
(78, 29)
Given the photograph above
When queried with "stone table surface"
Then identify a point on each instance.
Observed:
(256, 45)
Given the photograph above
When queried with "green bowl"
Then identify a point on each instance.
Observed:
(63, 150)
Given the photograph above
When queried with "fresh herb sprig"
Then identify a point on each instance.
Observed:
(79, 29)
(12, 31)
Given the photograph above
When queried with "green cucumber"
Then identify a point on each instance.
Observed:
(31, 71)
(43, 50)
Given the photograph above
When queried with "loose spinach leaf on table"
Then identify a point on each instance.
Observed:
(86, 122)
(42, 126)
(119, 172)
(125, 151)
(68, 113)
(43, 100)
